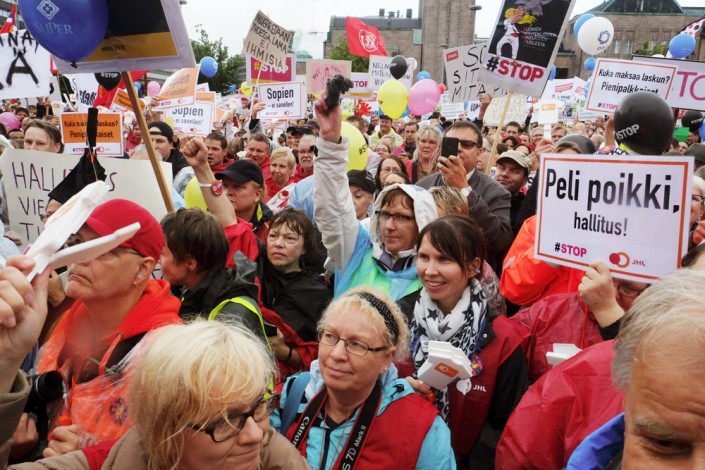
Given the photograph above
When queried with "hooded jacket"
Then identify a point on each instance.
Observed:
(355, 251)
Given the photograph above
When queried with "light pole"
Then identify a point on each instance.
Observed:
(474, 8)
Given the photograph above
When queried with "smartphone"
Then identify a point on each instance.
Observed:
(269, 329)
(449, 146)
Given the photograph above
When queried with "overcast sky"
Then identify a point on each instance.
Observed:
(231, 19)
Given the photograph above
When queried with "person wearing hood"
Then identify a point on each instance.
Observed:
(384, 256)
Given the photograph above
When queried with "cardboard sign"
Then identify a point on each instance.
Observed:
(179, 89)
(318, 72)
(121, 102)
(515, 112)
(688, 86)
(379, 72)
(594, 207)
(548, 111)
(267, 41)
(268, 74)
(449, 109)
(524, 44)
(194, 119)
(162, 42)
(614, 79)
(29, 176)
(109, 141)
(361, 88)
(283, 100)
(24, 66)
(463, 66)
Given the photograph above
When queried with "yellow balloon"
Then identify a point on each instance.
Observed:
(357, 152)
(246, 89)
(193, 197)
(393, 98)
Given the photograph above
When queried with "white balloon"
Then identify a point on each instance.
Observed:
(412, 63)
(595, 35)
(660, 56)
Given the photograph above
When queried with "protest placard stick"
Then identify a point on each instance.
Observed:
(254, 90)
(127, 79)
(498, 133)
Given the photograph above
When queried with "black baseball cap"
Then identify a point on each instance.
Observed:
(384, 116)
(363, 179)
(299, 130)
(164, 129)
(242, 172)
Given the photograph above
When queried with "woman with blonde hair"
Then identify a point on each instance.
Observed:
(350, 410)
(428, 144)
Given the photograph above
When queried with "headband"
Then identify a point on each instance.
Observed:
(384, 311)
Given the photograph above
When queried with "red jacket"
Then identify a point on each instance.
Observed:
(525, 279)
(241, 238)
(307, 350)
(560, 410)
(559, 318)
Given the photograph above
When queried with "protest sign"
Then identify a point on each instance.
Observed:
(463, 73)
(29, 176)
(121, 102)
(267, 41)
(86, 87)
(203, 87)
(258, 73)
(179, 89)
(24, 66)
(318, 72)
(515, 112)
(449, 109)
(614, 79)
(688, 86)
(548, 111)
(283, 100)
(141, 35)
(594, 207)
(524, 44)
(379, 72)
(361, 86)
(193, 119)
(109, 141)
(472, 110)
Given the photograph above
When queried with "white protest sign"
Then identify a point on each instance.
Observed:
(30, 176)
(548, 111)
(361, 86)
(283, 100)
(516, 111)
(24, 66)
(688, 88)
(194, 119)
(86, 87)
(379, 72)
(463, 73)
(267, 41)
(594, 207)
(614, 79)
(524, 43)
(451, 110)
(472, 110)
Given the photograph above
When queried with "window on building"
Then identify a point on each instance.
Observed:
(617, 44)
(418, 36)
(628, 43)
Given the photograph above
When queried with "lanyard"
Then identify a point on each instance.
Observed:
(348, 458)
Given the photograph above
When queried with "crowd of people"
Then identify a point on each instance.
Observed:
(283, 316)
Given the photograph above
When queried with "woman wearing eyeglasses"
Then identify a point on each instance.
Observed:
(198, 400)
(352, 411)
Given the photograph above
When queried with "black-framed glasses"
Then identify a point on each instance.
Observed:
(227, 428)
(384, 216)
(353, 346)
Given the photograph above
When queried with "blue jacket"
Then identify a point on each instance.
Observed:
(599, 450)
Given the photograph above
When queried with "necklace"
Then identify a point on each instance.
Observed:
(345, 423)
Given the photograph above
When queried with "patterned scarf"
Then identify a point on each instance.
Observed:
(459, 328)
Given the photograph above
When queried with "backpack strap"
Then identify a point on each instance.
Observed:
(293, 400)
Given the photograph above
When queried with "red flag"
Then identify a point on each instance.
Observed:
(9, 25)
(363, 40)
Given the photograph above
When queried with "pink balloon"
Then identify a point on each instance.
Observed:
(153, 88)
(424, 97)
(10, 121)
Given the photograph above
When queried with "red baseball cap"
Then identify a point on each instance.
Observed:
(118, 213)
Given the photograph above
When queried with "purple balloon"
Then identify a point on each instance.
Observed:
(10, 121)
(424, 97)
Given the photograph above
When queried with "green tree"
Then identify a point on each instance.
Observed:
(649, 49)
(227, 65)
(342, 52)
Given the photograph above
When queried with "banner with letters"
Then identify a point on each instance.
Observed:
(524, 44)
(319, 71)
(613, 79)
(24, 66)
(379, 72)
(463, 66)
(283, 100)
(688, 86)
(633, 213)
(109, 142)
(268, 74)
(193, 119)
(30, 176)
(179, 89)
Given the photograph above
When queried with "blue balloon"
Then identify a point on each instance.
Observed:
(138, 86)
(209, 67)
(682, 46)
(69, 29)
(589, 64)
(702, 133)
(580, 21)
(552, 73)
(423, 75)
